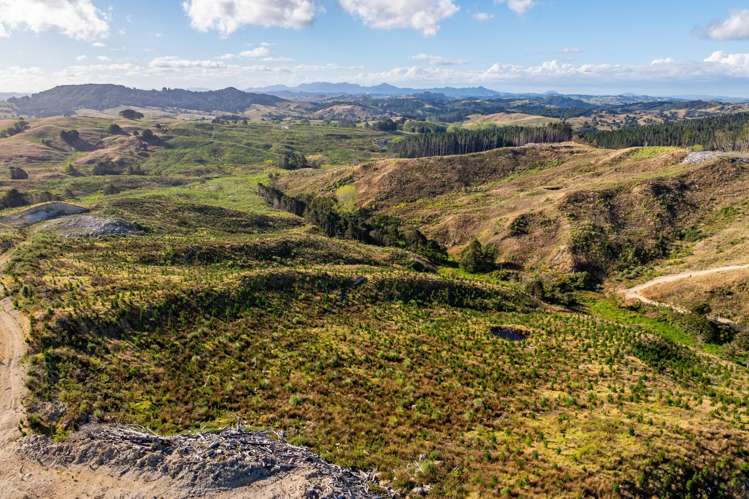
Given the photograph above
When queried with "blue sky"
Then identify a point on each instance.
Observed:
(658, 47)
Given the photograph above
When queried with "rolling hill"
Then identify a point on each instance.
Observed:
(67, 99)
(212, 308)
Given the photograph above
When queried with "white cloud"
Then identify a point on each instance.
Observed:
(736, 27)
(226, 16)
(571, 50)
(733, 64)
(78, 19)
(724, 72)
(519, 6)
(278, 59)
(261, 51)
(482, 17)
(172, 62)
(665, 60)
(103, 58)
(421, 15)
(436, 60)
(81, 58)
(719, 70)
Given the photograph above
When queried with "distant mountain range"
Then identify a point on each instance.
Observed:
(320, 90)
(67, 99)
(326, 89)
(9, 95)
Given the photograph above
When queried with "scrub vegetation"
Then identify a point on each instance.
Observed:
(357, 305)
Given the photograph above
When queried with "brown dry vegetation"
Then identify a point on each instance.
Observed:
(532, 202)
(509, 119)
(727, 294)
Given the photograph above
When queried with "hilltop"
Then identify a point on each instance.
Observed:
(67, 99)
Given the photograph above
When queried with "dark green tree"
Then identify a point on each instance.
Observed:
(478, 259)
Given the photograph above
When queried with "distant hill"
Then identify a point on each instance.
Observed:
(67, 99)
(9, 95)
(325, 89)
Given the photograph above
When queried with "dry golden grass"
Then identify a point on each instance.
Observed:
(727, 293)
(508, 119)
(457, 198)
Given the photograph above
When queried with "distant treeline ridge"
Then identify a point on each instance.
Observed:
(728, 132)
(471, 141)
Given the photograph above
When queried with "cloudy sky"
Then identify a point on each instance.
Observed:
(660, 47)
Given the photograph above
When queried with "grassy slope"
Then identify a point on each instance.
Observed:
(633, 196)
(230, 311)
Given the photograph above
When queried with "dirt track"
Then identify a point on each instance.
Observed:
(636, 293)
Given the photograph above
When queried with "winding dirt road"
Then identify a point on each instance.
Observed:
(636, 293)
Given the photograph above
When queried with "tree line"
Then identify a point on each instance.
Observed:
(465, 141)
(359, 225)
(729, 132)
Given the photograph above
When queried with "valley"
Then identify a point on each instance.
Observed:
(282, 286)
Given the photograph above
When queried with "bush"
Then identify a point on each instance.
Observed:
(697, 324)
(71, 170)
(70, 137)
(13, 199)
(106, 168)
(131, 114)
(385, 125)
(18, 127)
(478, 259)
(115, 129)
(17, 173)
(149, 136)
(559, 289)
(290, 159)
(520, 226)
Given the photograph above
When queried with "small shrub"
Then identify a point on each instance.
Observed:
(131, 114)
(520, 226)
(291, 159)
(17, 173)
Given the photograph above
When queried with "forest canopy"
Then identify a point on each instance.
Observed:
(727, 132)
(470, 141)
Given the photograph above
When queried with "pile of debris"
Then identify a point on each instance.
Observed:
(697, 158)
(203, 463)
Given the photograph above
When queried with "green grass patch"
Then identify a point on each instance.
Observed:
(651, 152)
